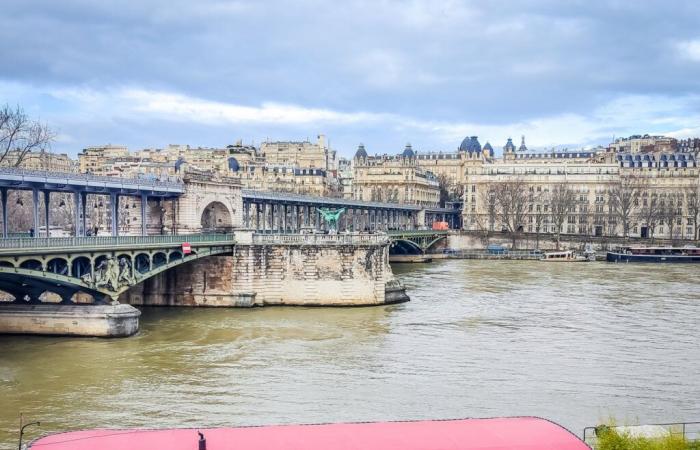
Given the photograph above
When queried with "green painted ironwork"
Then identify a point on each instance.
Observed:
(73, 243)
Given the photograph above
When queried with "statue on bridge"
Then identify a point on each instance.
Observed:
(107, 274)
(331, 217)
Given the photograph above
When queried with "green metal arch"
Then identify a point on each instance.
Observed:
(11, 274)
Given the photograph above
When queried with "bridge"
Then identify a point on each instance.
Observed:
(103, 267)
(286, 212)
(415, 241)
(80, 185)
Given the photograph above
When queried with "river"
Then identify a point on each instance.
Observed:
(576, 343)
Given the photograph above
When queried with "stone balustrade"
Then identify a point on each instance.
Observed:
(320, 239)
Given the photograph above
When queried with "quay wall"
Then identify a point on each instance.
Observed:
(281, 274)
(466, 240)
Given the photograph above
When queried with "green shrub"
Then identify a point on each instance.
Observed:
(610, 439)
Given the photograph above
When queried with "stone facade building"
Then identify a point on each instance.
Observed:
(393, 179)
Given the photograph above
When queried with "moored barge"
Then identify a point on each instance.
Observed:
(655, 255)
(515, 433)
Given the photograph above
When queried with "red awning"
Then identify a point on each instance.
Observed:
(515, 433)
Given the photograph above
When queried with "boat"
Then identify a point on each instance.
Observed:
(563, 256)
(515, 433)
(687, 254)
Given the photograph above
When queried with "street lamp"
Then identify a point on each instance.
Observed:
(22, 426)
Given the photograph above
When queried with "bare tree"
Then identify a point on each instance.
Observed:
(511, 199)
(693, 202)
(20, 135)
(622, 200)
(671, 211)
(562, 201)
(651, 211)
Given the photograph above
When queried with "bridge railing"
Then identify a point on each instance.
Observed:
(417, 232)
(112, 241)
(320, 239)
(13, 171)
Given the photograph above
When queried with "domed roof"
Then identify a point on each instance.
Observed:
(488, 148)
(509, 147)
(408, 152)
(233, 165)
(360, 153)
(470, 144)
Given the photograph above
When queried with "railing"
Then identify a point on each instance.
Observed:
(413, 233)
(87, 177)
(320, 239)
(113, 241)
(252, 194)
(689, 430)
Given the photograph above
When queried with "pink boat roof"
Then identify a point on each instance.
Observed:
(515, 433)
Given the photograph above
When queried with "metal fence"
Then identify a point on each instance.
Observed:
(113, 241)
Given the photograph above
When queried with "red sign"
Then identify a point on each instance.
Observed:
(186, 248)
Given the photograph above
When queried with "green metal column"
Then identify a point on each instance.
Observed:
(47, 206)
(144, 215)
(35, 211)
(114, 207)
(3, 199)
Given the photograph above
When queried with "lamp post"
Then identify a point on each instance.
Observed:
(22, 426)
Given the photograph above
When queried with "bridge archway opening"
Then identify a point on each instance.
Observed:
(6, 264)
(404, 247)
(174, 256)
(159, 259)
(81, 266)
(50, 297)
(216, 218)
(57, 265)
(142, 263)
(82, 298)
(31, 264)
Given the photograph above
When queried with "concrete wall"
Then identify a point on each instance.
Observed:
(290, 274)
(69, 320)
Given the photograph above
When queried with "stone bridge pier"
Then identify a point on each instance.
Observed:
(308, 270)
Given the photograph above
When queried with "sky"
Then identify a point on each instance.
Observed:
(379, 72)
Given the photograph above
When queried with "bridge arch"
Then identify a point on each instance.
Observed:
(32, 264)
(81, 266)
(216, 217)
(57, 265)
(158, 259)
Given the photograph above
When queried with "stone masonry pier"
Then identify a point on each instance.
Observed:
(302, 270)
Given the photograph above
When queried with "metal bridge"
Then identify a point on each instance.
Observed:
(287, 212)
(415, 241)
(80, 185)
(101, 266)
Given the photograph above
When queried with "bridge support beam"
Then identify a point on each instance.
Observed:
(3, 199)
(47, 207)
(35, 211)
(114, 207)
(144, 215)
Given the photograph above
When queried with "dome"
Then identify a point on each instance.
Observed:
(233, 165)
(408, 152)
(360, 153)
(488, 149)
(509, 147)
(470, 144)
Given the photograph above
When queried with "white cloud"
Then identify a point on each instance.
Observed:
(689, 50)
(624, 115)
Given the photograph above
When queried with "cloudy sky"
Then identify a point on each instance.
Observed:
(210, 72)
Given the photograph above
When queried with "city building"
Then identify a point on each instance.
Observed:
(56, 162)
(393, 178)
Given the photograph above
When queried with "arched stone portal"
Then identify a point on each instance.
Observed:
(217, 218)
